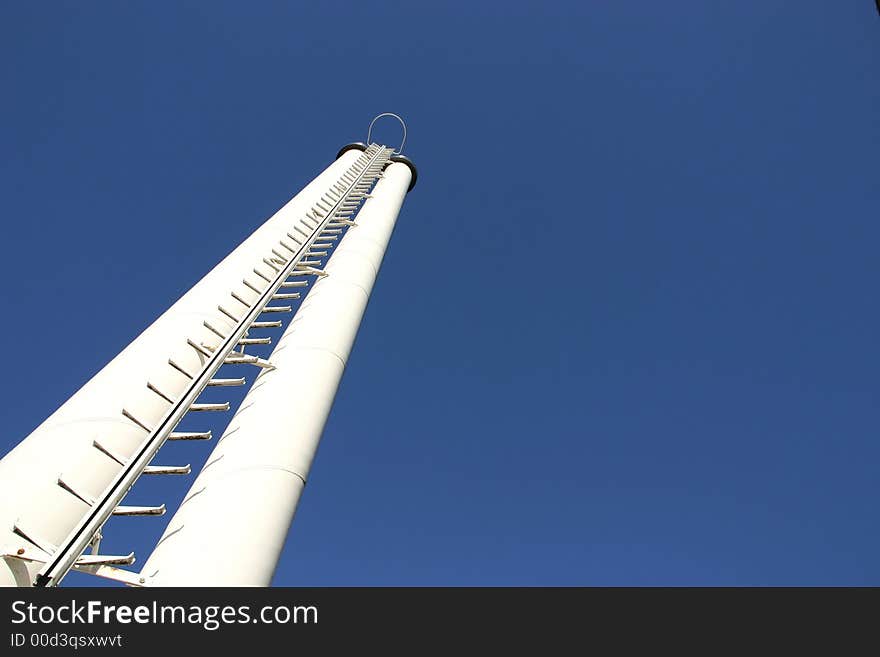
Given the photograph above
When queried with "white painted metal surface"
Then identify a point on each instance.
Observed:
(49, 480)
(232, 525)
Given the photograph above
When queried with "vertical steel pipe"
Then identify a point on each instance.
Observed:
(232, 525)
(63, 444)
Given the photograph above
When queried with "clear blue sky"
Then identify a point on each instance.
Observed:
(627, 330)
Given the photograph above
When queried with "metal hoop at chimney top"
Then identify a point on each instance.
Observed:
(402, 123)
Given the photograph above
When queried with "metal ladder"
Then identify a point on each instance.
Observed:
(290, 262)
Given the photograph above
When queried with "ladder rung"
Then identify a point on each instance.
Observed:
(109, 452)
(105, 559)
(213, 330)
(247, 341)
(266, 324)
(139, 510)
(189, 435)
(180, 369)
(238, 359)
(209, 407)
(235, 320)
(168, 469)
(308, 271)
(35, 539)
(251, 286)
(113, 573)
(227, 382)
(159, 392)
(136, 421)
(285, 295)
(82, 497)
(295, 284)
(200, 348)
(240, 300)
(277, 309)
